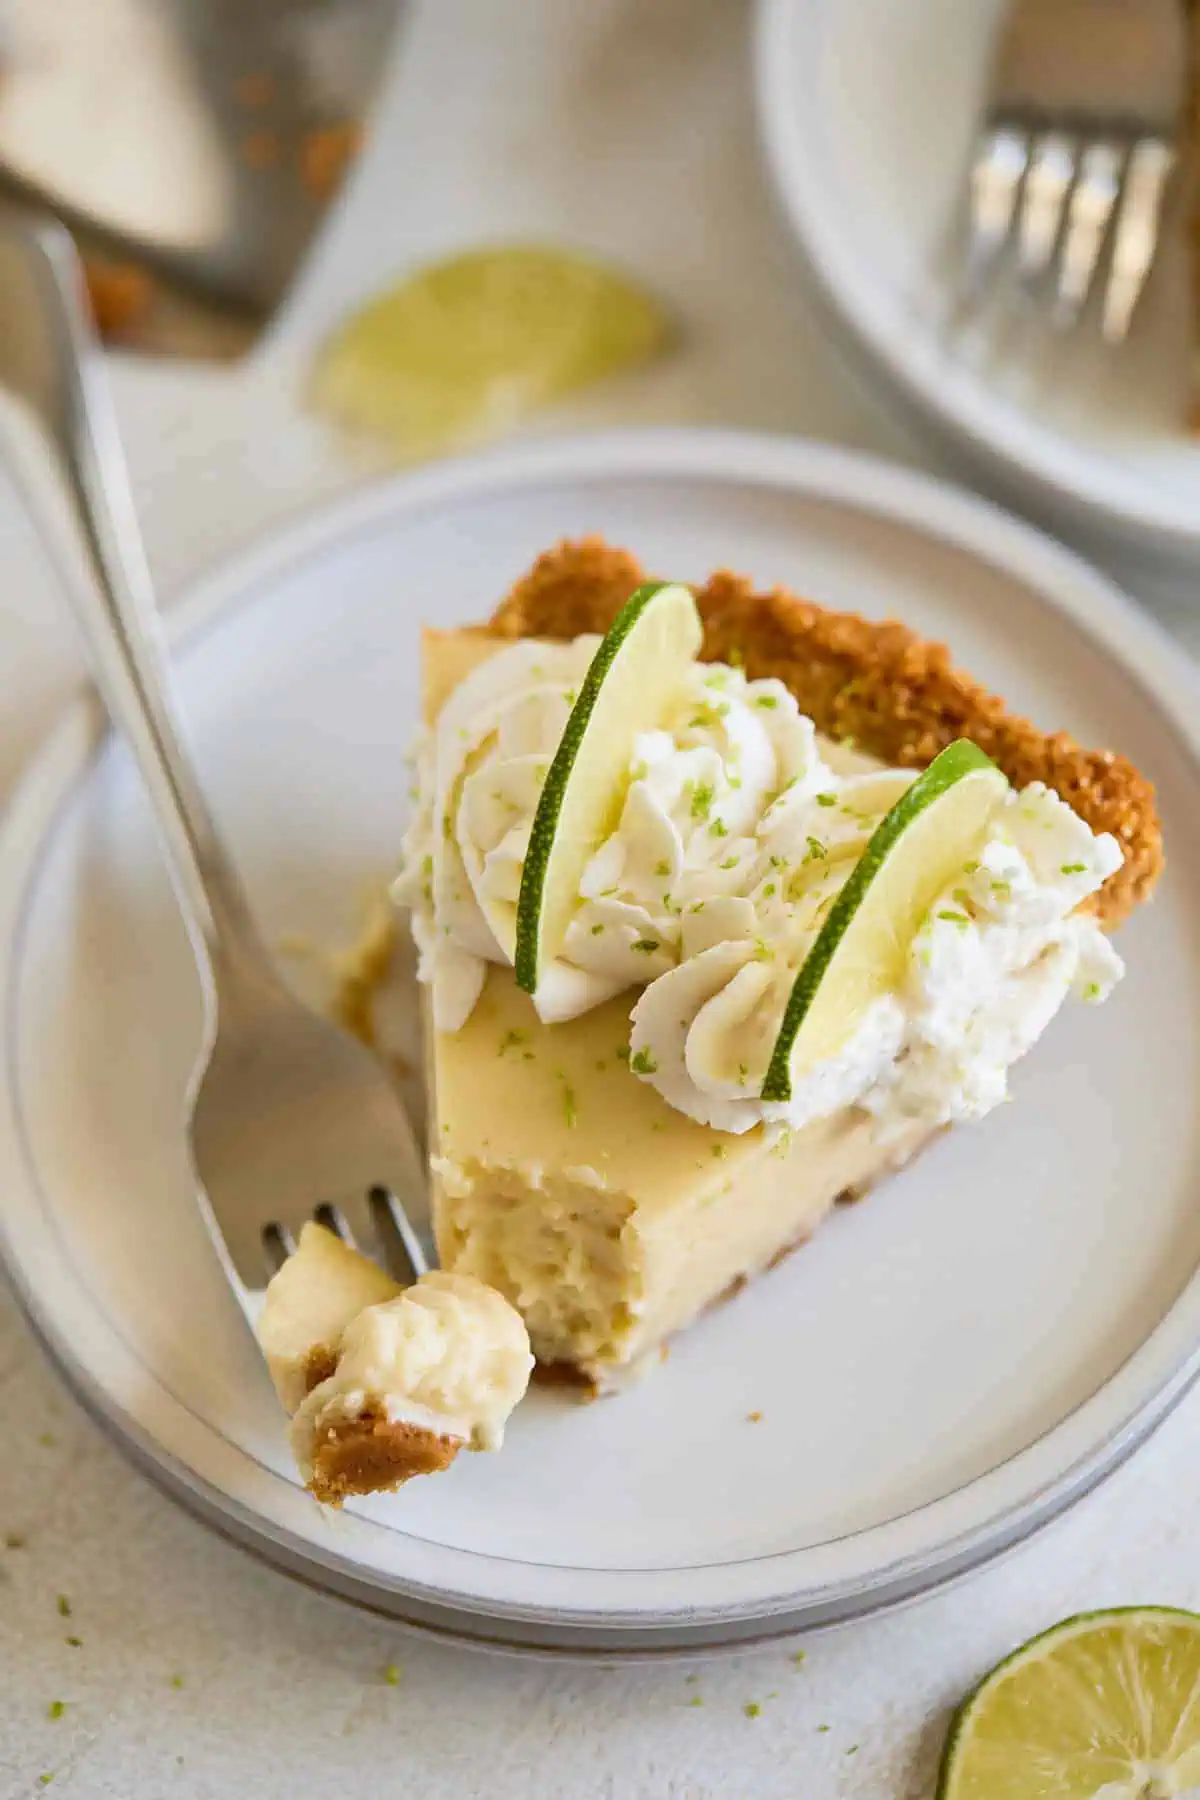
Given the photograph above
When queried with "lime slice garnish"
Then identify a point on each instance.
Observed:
(632, 684)
(1103, 1705)
(465, 349)
(860, 951)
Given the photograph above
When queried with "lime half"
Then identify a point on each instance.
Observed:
(1105, 1706)
(860, 951)
(632, 684)
(464, 349)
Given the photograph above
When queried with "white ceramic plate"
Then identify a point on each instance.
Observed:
(869, 111)
(944, 1367)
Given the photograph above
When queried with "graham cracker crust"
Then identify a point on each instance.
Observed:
(322, 1363)
(897, 696)
(371, 1455)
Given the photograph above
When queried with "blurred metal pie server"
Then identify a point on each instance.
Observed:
(191, 146)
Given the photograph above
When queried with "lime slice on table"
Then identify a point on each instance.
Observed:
(632, 685)
(464, 349)
(1105, 1706)
(860, 951)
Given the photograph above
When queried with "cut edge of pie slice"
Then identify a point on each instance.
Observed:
(609, 1241)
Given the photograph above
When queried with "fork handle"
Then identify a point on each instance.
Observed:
(79, 484)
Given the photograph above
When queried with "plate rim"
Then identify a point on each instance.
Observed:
(928, 508)
(978, 430)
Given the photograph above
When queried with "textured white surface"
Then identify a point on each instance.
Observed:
(625, 125)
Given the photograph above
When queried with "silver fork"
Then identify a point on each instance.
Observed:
(291, 1118)
(1077, 149)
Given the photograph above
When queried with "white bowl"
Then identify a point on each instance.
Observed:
(868, 111)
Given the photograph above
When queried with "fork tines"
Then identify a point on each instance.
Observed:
(1077, 150)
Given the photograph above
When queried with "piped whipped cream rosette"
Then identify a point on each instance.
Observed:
(806, 935)
(995, 954)
(479, 773)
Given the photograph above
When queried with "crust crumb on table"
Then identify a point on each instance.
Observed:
(372, 1455)
(899, 697)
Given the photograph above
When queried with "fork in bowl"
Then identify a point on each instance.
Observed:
(1077, 149)
(290, 1118)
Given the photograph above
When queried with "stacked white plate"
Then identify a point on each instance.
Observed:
(946, 1366)
(869, 111)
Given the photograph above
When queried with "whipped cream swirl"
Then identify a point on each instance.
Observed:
(734, 759)
(997, 955)
(738, 831)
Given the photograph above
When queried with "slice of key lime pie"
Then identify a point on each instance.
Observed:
(725, 905)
